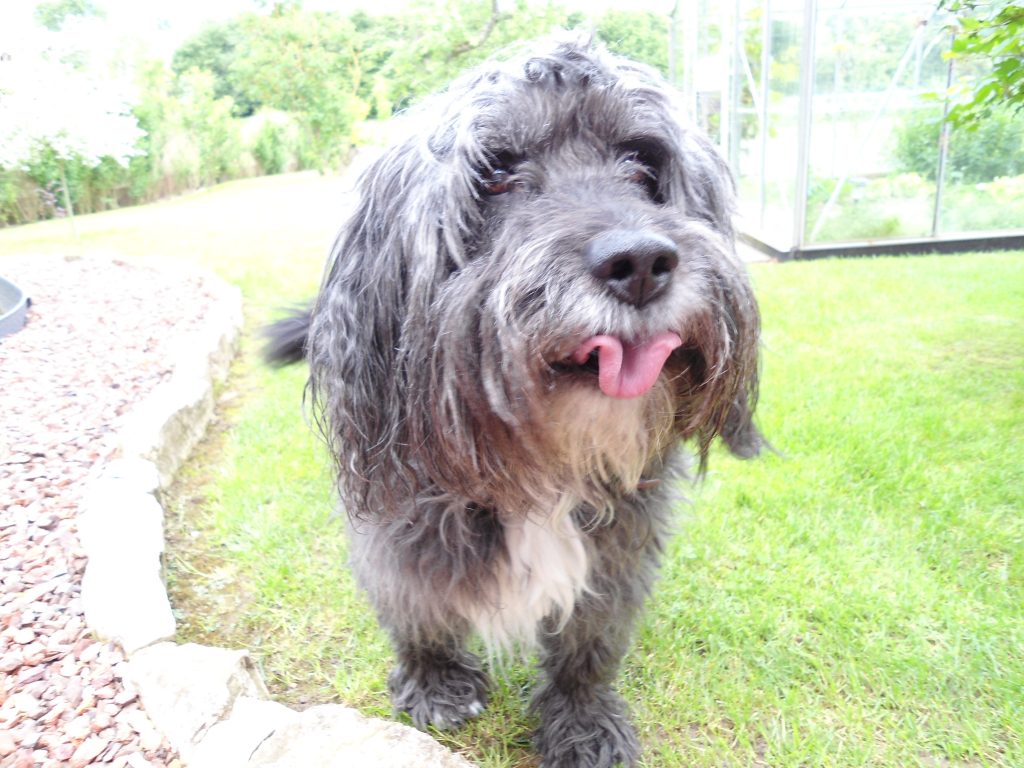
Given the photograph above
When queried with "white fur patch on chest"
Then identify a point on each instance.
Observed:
(544, 574)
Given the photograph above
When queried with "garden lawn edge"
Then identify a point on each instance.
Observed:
(210, 703)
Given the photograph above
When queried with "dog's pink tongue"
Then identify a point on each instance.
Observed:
(626, 369)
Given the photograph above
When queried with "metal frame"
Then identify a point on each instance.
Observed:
(984, 241)
(805, 121)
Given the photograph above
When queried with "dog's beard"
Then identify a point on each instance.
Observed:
(595, 448)
(603, 446)
(517, 369)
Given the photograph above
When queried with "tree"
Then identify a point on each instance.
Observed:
(445, 37)
(639, 35)
(991, 33)
(53, 14)
(377, 37)
(305, 63)
(215, 48)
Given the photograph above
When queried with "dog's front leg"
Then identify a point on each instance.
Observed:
(584, 723)
(438, 684)
(402, 564)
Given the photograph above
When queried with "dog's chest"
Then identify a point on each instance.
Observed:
(543, 573)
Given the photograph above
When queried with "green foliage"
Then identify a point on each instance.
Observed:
(990, 32)
(34, 192)
(269, 148)
(325, 71)
(381, 100)
(639, 35)
(53, 14)
(207, 120)
(994, 148)
(992, 205)
(442, 38)
(377, 38)
(902, 205)
(191, 139)
(18, 201)
(313, 64)
(214, 49)
(275, 144)
(859, 52)
(305, 63)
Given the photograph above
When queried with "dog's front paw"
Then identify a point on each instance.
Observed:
(442, 696)
(584, 731)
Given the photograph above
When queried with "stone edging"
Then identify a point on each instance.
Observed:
(210, 703)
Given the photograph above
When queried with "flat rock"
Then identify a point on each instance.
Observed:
(123, 594)
(169, 423)
(134, 474)
(333, 735)
(187, 689)
(231, 742)
(114, 513)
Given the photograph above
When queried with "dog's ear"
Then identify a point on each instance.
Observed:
(703, 183)
(739, 432)
(385, 266)
(723, 387)
(721, 390)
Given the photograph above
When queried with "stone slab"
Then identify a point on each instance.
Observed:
(332, 735)
(232, 742)
(187, 689)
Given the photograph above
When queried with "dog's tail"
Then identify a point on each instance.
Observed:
(285, 340)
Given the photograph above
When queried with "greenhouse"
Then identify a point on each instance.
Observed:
(831, 114)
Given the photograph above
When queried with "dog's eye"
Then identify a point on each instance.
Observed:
(638, 171)
(640, 165)
(500, 174)
(497, 181)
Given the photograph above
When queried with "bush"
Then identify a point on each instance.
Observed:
(272, 138)
(191, 139)
(20, 199)
(995, 149)
(207, 121)
(992, 205)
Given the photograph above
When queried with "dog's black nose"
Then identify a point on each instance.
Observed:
(635, 266)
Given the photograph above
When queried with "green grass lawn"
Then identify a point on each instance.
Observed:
(856, 599)
(268, 235)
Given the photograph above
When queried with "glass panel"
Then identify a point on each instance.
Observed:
(875, 64)
(984, 176)
(710, 74)
(876, 117)
(767, 113)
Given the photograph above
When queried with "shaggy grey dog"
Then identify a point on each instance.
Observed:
(535, 303)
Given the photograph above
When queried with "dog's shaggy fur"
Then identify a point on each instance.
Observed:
(536, 301)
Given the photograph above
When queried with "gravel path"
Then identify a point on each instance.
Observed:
(95, 344)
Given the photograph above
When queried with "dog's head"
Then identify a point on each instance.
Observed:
(538, 287)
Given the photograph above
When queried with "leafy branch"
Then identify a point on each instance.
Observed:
(989, 34)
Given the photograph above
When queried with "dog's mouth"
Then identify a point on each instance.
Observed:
(624, 369)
